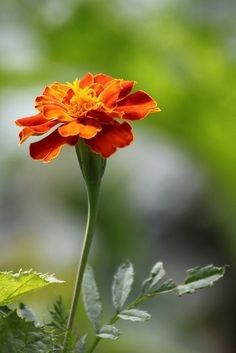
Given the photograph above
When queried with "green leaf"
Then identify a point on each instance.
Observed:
(92, 301)
(109, 332)
(134, 315)
(200, 277)
(59, 315)
(156, 274)
(19, 335)
(122, 284)
(167, 286)
(14, 285)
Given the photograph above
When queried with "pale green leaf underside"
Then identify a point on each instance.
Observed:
(108, 332)
(122, 284)
(14, 285)
(81, 344)
(156, 274)
(200, 277)
(91, 297)
(134, 315)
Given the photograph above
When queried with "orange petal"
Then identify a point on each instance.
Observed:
(56, 90)
(49, 147)
(33, 120)
(102, 79)
(87, 128)
(54, 111)
(86, 80)
(70, 93)
(98, 88)
(36, 130)
(41, 101)
(111, 93)
(110, 138)
(126, 88)
(102, 116)
(137, 106)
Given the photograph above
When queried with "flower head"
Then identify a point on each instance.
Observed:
(94, 108)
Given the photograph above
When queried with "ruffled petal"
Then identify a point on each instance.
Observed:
(137, 105)
(49, 147)
(33, 120)
(110, 94)
(41, 101)
(102, 79)
(36, 130)
(110, 138)
(126, 88)
(56, 90)
(87, 129)
(53, 111)
(98, 88)
(103, 116)
(69, 94)
(86, 80)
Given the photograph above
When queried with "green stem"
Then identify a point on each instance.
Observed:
(93, 195)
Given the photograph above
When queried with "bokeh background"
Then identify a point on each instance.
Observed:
(170, 196)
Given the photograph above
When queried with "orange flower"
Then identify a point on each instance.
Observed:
(92, 109)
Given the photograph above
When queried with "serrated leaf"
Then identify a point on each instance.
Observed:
(59, 315)
(108, 332)
(122, 284)
(200, 277)
(81, 344)
(19, 335)
(14, 285)
(91, 297)
(134, 315)
(156, 274)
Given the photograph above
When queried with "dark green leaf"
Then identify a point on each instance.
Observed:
(59, 315)
(19, 335)
(92, 301)
(122, 284)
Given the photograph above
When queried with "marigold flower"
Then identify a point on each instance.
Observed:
(92, 108)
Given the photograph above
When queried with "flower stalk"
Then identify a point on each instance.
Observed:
(92, 167)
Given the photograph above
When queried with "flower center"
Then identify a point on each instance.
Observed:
(81, 100)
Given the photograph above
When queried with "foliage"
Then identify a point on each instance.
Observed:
(122, 284)
(20, 332)
(20, 335)
(153, 285)
(92, 301)
(14, 285)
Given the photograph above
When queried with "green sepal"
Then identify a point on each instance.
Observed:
(92, 164)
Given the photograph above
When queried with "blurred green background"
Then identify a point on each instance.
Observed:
(170, 196)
